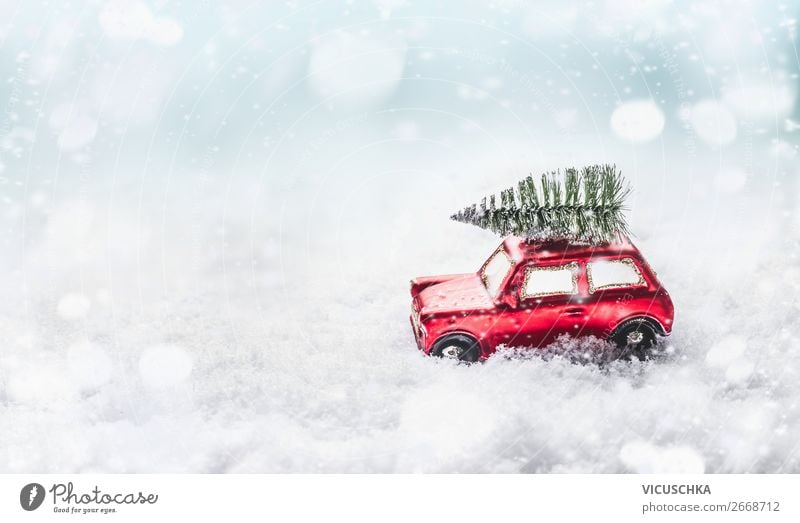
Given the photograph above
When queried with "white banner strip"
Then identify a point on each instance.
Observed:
(401, 498)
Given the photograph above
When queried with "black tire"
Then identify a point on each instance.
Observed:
(635, 339)
(457, 346)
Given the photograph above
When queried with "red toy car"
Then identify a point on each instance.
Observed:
(528, 293)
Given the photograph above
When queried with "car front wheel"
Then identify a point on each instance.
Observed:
(457, 347)
(635, 339)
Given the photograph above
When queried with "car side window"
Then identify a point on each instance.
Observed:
(613, 274)
(548, 281)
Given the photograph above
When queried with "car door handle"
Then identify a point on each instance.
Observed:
(574, 311)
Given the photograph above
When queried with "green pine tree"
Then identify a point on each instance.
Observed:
(585, 205)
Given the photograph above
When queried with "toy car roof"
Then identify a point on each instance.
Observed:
(524, 248)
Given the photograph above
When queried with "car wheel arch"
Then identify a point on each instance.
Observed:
(649, 320)
(481, 343)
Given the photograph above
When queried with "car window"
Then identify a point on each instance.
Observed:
(546, 281)
(612, 274)
(495, 271)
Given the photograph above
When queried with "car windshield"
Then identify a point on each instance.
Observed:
(495, 270)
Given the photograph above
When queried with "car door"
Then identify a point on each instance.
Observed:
(549, 303)
(616, 288)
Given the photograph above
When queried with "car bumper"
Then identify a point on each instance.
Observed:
(419, 334)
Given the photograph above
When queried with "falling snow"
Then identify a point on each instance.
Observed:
(209, 217)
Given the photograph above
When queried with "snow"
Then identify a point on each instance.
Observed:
(125, 19)
(44, 383)
(205, 259)
(609, 273)
(165, 31)
(545, 20)
(495, 271)
(645, 458)
(407, 131)
(133, 20)
(358, 70)
(637, 121)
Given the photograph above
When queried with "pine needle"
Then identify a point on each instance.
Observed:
(585, 205)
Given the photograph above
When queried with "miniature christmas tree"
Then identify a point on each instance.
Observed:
(585, 205)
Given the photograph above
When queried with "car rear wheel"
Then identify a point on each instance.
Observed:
(635, 339)
(457, 347)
